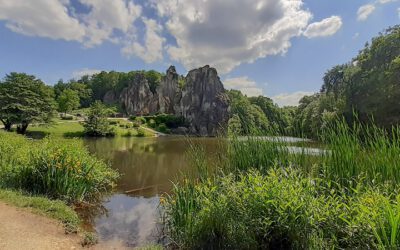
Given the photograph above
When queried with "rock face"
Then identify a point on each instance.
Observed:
(204, 103)
(199, 97)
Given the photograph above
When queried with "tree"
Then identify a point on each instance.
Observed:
(96, 123)
(24, 99)
(68, 101)
(252, 118)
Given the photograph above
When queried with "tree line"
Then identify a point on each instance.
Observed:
(366, 89)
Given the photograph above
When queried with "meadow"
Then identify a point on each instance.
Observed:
(259, 195)
(74, 129)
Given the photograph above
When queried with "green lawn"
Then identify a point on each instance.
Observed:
(75, 129)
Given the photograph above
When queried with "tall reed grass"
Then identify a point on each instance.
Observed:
(265, 196)
(57, 168)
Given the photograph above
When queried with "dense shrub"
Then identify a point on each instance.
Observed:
(279, 210)
(60, 169)
(266, 195)
(141, 132)
(162, 128)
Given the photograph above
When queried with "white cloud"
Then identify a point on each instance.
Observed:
(398, 12)
(227, 33)
(290, 99)
(364, 12)
(152, 50)
(45, 18)
(83, 72)
(326, 27)
(56, 19)
(386, 1)
(244, 84)
(106, 16)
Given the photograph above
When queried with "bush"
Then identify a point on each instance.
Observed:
(113, 122)
(59, 169)
(140, 120)
(141, 132)
(152, 123)
(162, 128)
(135, 124)
(279, 210)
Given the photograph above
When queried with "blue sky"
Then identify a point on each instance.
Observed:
(279, 48)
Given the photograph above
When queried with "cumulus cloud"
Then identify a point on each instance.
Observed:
(106, 16)
(84, 72)
(152, 50)
(326, 27)
(56, 19)
(364, 12)
(244, 84)
(290, 99)
(45, 18)
(227, 33)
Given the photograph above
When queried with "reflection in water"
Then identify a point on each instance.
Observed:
(129, 221)
(147, 167)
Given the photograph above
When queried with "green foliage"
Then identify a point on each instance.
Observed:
(266, 196)
(24, 99)
(154, 78)
(89, 239)
(68, 101)
(141, 132)
(96, 123)
(81, 87)
(252, 118)
(278, 120)
(367, 87)
(59, 169)
(162, 128)
(281, 209)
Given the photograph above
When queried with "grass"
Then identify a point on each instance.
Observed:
(57, 168)
(60, 129)
(55, 209)
(262, 196)
(75, 129)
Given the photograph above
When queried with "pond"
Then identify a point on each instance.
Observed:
(147, 167)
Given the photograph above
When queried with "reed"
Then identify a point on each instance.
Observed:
(57, 168)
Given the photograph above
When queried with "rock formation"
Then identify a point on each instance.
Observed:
(200, 99)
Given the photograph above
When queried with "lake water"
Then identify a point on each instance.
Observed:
(147, 167)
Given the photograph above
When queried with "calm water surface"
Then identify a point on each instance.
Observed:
(147, 167)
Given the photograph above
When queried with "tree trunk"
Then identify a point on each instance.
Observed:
(21, 128)
(7, 125)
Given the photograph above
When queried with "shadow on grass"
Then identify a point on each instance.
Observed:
(74, 134)
(37, 134)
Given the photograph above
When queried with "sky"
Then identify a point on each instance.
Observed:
(277, 48)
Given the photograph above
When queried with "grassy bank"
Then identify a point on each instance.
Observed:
(71, 129)
(55, 209)
(262, 196)
(56, 168)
